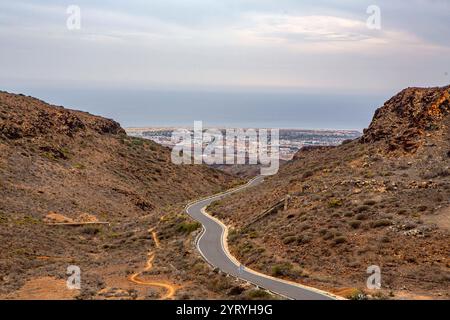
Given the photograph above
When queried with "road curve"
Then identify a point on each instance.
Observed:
(213, 247)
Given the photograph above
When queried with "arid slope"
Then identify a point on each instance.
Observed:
(59, 165)
(383, 199)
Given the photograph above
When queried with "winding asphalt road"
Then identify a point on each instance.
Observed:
(213, 247)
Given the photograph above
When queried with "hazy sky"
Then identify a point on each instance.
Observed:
(311, 47)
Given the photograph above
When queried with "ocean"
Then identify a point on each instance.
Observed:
(254, 109)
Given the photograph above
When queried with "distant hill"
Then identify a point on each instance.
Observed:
(382, 199)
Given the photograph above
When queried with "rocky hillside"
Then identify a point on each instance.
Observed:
(383, 199)
(64, 166)
(404, 121)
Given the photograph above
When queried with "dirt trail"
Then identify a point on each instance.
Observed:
(155, 238)
(170, 289)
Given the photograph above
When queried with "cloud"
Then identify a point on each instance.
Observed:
(306, 28)
(323, 33)
(284, 43)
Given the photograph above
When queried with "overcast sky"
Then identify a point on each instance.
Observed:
(308, 46)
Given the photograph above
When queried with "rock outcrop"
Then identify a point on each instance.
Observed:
(408, 116)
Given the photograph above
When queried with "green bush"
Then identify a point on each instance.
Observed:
(355, 224)
(49, 156)
(79, 166)
(333, 203)
(361, 216)
(233, 235)
(245, 247)
(357, 295)
(348, 214)
(381, 223)
(91, 230)
(422, 208)
(253, 234)
(362, 208)
(213, 205)
(137, 141)
(258, 294)
(65, 153)
(220, 284)
(27, 220)
(307, 174)
(281, 269)
(188, 227)
(340, 240)
(289, 239)
(303, 239)
(328, 235)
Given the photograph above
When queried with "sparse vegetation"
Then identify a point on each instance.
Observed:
(290, 239)
(381, 223)
(137, 141)
(355, 224)
(79, 166)
(3, 218)
(307, 174)
(281, 270)
(27, 220)
(357, 294)
(188, 227)
(362, 208)
(328, 235)
(220, 284)
(340, 240)
(258, 294)
(233, 235)
(253, 234)
(91, 230)
(334, 203)
(362, 216)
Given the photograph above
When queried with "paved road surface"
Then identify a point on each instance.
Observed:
(212, 245)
